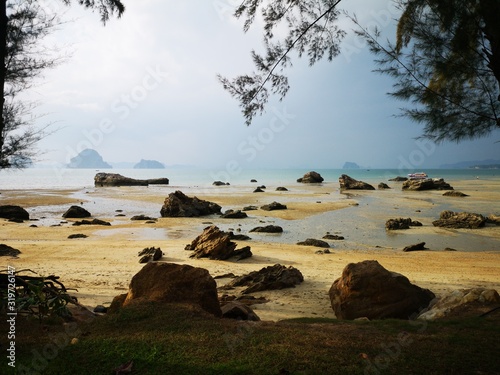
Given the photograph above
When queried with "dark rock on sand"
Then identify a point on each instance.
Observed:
(234, 214)
(13, 212)
(400, 223)
(239, 311)
(333, 237)
(311, 178)
(427, 184)
(239, 237)
(178, 204)
(76, 212)
(220, 183)
(268, 278)
(172, 283)
(367, 289)
(77, 235)
(253, 180)
(268, 229)
(258, 190)
(150, 254)
(383, 186)
(91, 222)
(399, 179)
(348, 183)
(114, 179)
(450, 219)
(250, 208)
(274, 206)
(454, 193)
(7, 251)
(142, 218)
(314, 242)
(416, 247)
(281, 188)
(216, 244)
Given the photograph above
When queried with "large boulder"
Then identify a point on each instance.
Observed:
(311, 178)
(367, 289)
(450, 219)
(273, 206)
(172, 283)
(114, 179)
(348, 183)
(426, 184)
(76, 212)
(178, 204)
(462, 303)
(216, 244)
(13, 213)
(268, 278)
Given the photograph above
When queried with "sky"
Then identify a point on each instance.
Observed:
(145, 87)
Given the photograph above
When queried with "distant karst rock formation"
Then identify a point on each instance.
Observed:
(88, 158)
(350, 165)
(149, 164)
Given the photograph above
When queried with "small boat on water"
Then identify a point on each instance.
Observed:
(417, 176)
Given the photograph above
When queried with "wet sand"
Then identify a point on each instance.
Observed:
(101, 266)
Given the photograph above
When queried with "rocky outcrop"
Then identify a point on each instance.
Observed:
(220, 183)
(268, 229)
(454, 193)
(400, 223)
(239, 311)
(462, 303)
(349, 183)
(268, 278)
(273, 206)
(216, 244)
(314, 242)
(149, 164)
(427, 184)
(92, 222)
(76, 212)
(178, 204)
(150, 254)
(172, 283)
(88, 158)
(311, 178)
(383, 186)
(114, 179)
(367, 289)
(12, 212)
(456, 220)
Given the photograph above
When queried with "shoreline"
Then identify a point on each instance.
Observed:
(102, 265)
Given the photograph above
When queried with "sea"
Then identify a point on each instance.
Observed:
(65, 178)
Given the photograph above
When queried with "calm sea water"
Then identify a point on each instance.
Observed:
(58, 178)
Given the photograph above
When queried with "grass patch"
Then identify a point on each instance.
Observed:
(173, 339)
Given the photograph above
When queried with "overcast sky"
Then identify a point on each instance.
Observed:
(145, 87)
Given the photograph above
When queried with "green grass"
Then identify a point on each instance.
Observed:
(170, 339)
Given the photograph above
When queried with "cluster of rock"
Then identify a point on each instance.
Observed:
(150, 254)
(400, 223)
(214, 243)
(426, 184)
(314, 242)
(348, 183)
(114, 179)
(178, 204)
(450, 219)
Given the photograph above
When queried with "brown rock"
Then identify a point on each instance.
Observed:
(347, 183)
(178, 204)
(13, 212)
(426, 184)
(367, 289)
(172, 283)
(216, 244)
(76, 212)
(311, 178)
(114, 179)
(416, 247)
(450, 219)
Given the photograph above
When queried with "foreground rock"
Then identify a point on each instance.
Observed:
(216, 244)
(462, 303)
(239, 311)
(456, 220)
(426, 184)
(178, 204)
(172, 283)
(348, 183)
(268, 278)
(400, 223)
(76, 212)
(7, 251)
(150, 254)
(367, 289)
(114, 179)
(11, 212)
(311, 178)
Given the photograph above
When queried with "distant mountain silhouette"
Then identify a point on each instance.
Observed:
(350, 165)
(88, 158)
(482, 164)
(149, 164)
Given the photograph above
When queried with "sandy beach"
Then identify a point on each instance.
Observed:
(100, 266)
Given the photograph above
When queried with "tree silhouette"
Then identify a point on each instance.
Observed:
(22, 24)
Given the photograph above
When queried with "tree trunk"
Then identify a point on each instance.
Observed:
(3, 71)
